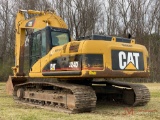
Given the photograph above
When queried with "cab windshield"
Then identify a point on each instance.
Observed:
(59, 37)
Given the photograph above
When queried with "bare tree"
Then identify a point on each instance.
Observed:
(81, 15)
(6, 38)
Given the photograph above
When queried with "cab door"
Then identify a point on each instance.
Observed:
(35, 52)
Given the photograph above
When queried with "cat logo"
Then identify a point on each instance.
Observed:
(127, 60)
(30, 23)
(52, 66)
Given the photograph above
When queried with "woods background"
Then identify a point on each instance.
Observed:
(140, 18)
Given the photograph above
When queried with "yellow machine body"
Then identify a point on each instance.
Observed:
(129, 63)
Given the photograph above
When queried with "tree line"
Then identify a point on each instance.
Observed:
(140, 18)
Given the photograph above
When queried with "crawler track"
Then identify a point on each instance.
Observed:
(141, 92)
(72, 98)
(131, 94)
(64, 97)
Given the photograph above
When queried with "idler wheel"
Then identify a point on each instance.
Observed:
(20, 93)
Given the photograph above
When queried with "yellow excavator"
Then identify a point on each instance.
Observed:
(69, 75)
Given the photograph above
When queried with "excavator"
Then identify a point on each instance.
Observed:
(70, 75)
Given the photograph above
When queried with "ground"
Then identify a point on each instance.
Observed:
(9, 110)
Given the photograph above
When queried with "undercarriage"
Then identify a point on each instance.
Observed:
(75, 98)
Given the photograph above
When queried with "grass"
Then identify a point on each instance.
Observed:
(9, 110)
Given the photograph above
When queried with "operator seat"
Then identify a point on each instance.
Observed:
(55, 41)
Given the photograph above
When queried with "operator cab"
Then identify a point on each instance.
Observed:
(42, 41)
